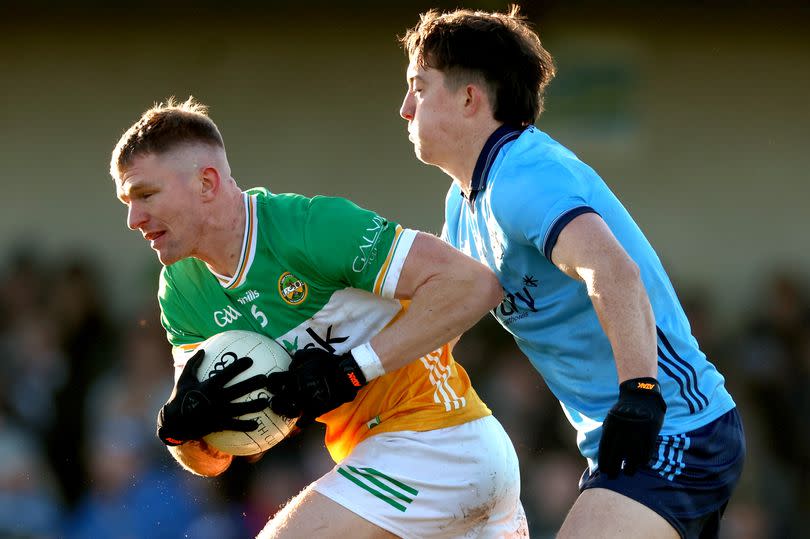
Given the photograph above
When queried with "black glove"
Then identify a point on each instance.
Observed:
(631, 427)
(316, 382)
(196, 408)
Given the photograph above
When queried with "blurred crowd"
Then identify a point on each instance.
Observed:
(81, 386)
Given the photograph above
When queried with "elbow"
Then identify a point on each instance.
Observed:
(632, 272)
(623, 271)
(205, 470)
(210, 472)
(634, 277)
(618, 274)
(490, 289)
(628, 278)
(200, 459)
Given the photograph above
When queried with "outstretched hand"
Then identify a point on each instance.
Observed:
(197, 408)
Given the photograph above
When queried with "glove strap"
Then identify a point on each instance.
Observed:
(368, 361)
(171, 441)
(352, 371)
(168, 440)
(645, 385)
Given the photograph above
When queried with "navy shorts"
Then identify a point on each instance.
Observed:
(690, 479)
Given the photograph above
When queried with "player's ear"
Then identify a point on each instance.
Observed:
(209, 182)
(474, 99)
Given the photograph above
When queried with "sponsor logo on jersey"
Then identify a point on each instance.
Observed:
(368, 249)
(325, 340)
(291, 346)
(292, 289)
(517, 305)
(251, 295)
(226, 316)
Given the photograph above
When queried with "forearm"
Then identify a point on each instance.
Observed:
(625, 313)
(200, 458)
(441, 309)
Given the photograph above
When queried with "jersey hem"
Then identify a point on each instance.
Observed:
(703, 420)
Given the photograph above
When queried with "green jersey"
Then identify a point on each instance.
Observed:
(315, 272)
(312, 272)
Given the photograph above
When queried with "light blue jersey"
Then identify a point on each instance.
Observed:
(526, 188)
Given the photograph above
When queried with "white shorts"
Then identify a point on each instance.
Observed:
(456, 482)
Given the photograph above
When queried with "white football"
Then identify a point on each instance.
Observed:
(268, 356)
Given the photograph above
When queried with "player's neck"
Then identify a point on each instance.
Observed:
(462, 163)
(225, 235)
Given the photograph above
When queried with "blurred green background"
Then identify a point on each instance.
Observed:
(696, 113)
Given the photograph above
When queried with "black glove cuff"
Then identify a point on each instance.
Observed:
(161, 431)
(172, 442)
(352, 371)
(645, 392)
(640, 386)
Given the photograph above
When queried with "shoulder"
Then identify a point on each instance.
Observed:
(179, 284)
(538, 180)
(536, 156)
(183, 273)
(538, 169)
(282, 217)
(286, 203)
(335, 213)
(323, 203)
(292, 205)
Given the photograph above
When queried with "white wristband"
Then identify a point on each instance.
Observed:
(368, 361)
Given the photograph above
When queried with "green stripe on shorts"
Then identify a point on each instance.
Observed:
(363, 477)
(401, 485)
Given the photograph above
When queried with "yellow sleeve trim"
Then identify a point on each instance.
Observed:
(378, 284)
(387, 280)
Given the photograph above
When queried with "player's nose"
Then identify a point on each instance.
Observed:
(406, 110)
(135, 217)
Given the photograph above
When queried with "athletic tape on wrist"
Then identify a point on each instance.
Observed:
(368, 361)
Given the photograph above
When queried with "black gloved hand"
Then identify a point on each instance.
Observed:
(316, 382)
(631, 427)
(196, 408)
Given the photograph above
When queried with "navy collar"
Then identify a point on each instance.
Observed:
(492, 146)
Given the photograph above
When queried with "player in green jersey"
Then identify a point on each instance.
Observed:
(365, 307)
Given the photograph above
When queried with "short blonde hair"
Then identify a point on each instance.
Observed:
(161, 129)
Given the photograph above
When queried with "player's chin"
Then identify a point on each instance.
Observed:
(422, 154)
(167, 258)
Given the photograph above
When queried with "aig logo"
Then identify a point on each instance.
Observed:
(226, 316)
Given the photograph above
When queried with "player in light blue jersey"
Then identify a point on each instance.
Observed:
(586, 296)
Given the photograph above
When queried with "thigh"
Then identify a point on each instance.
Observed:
(602, 513)
(456, 482)
(313, 515)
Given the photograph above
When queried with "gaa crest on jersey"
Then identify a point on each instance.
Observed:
(292, 289)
